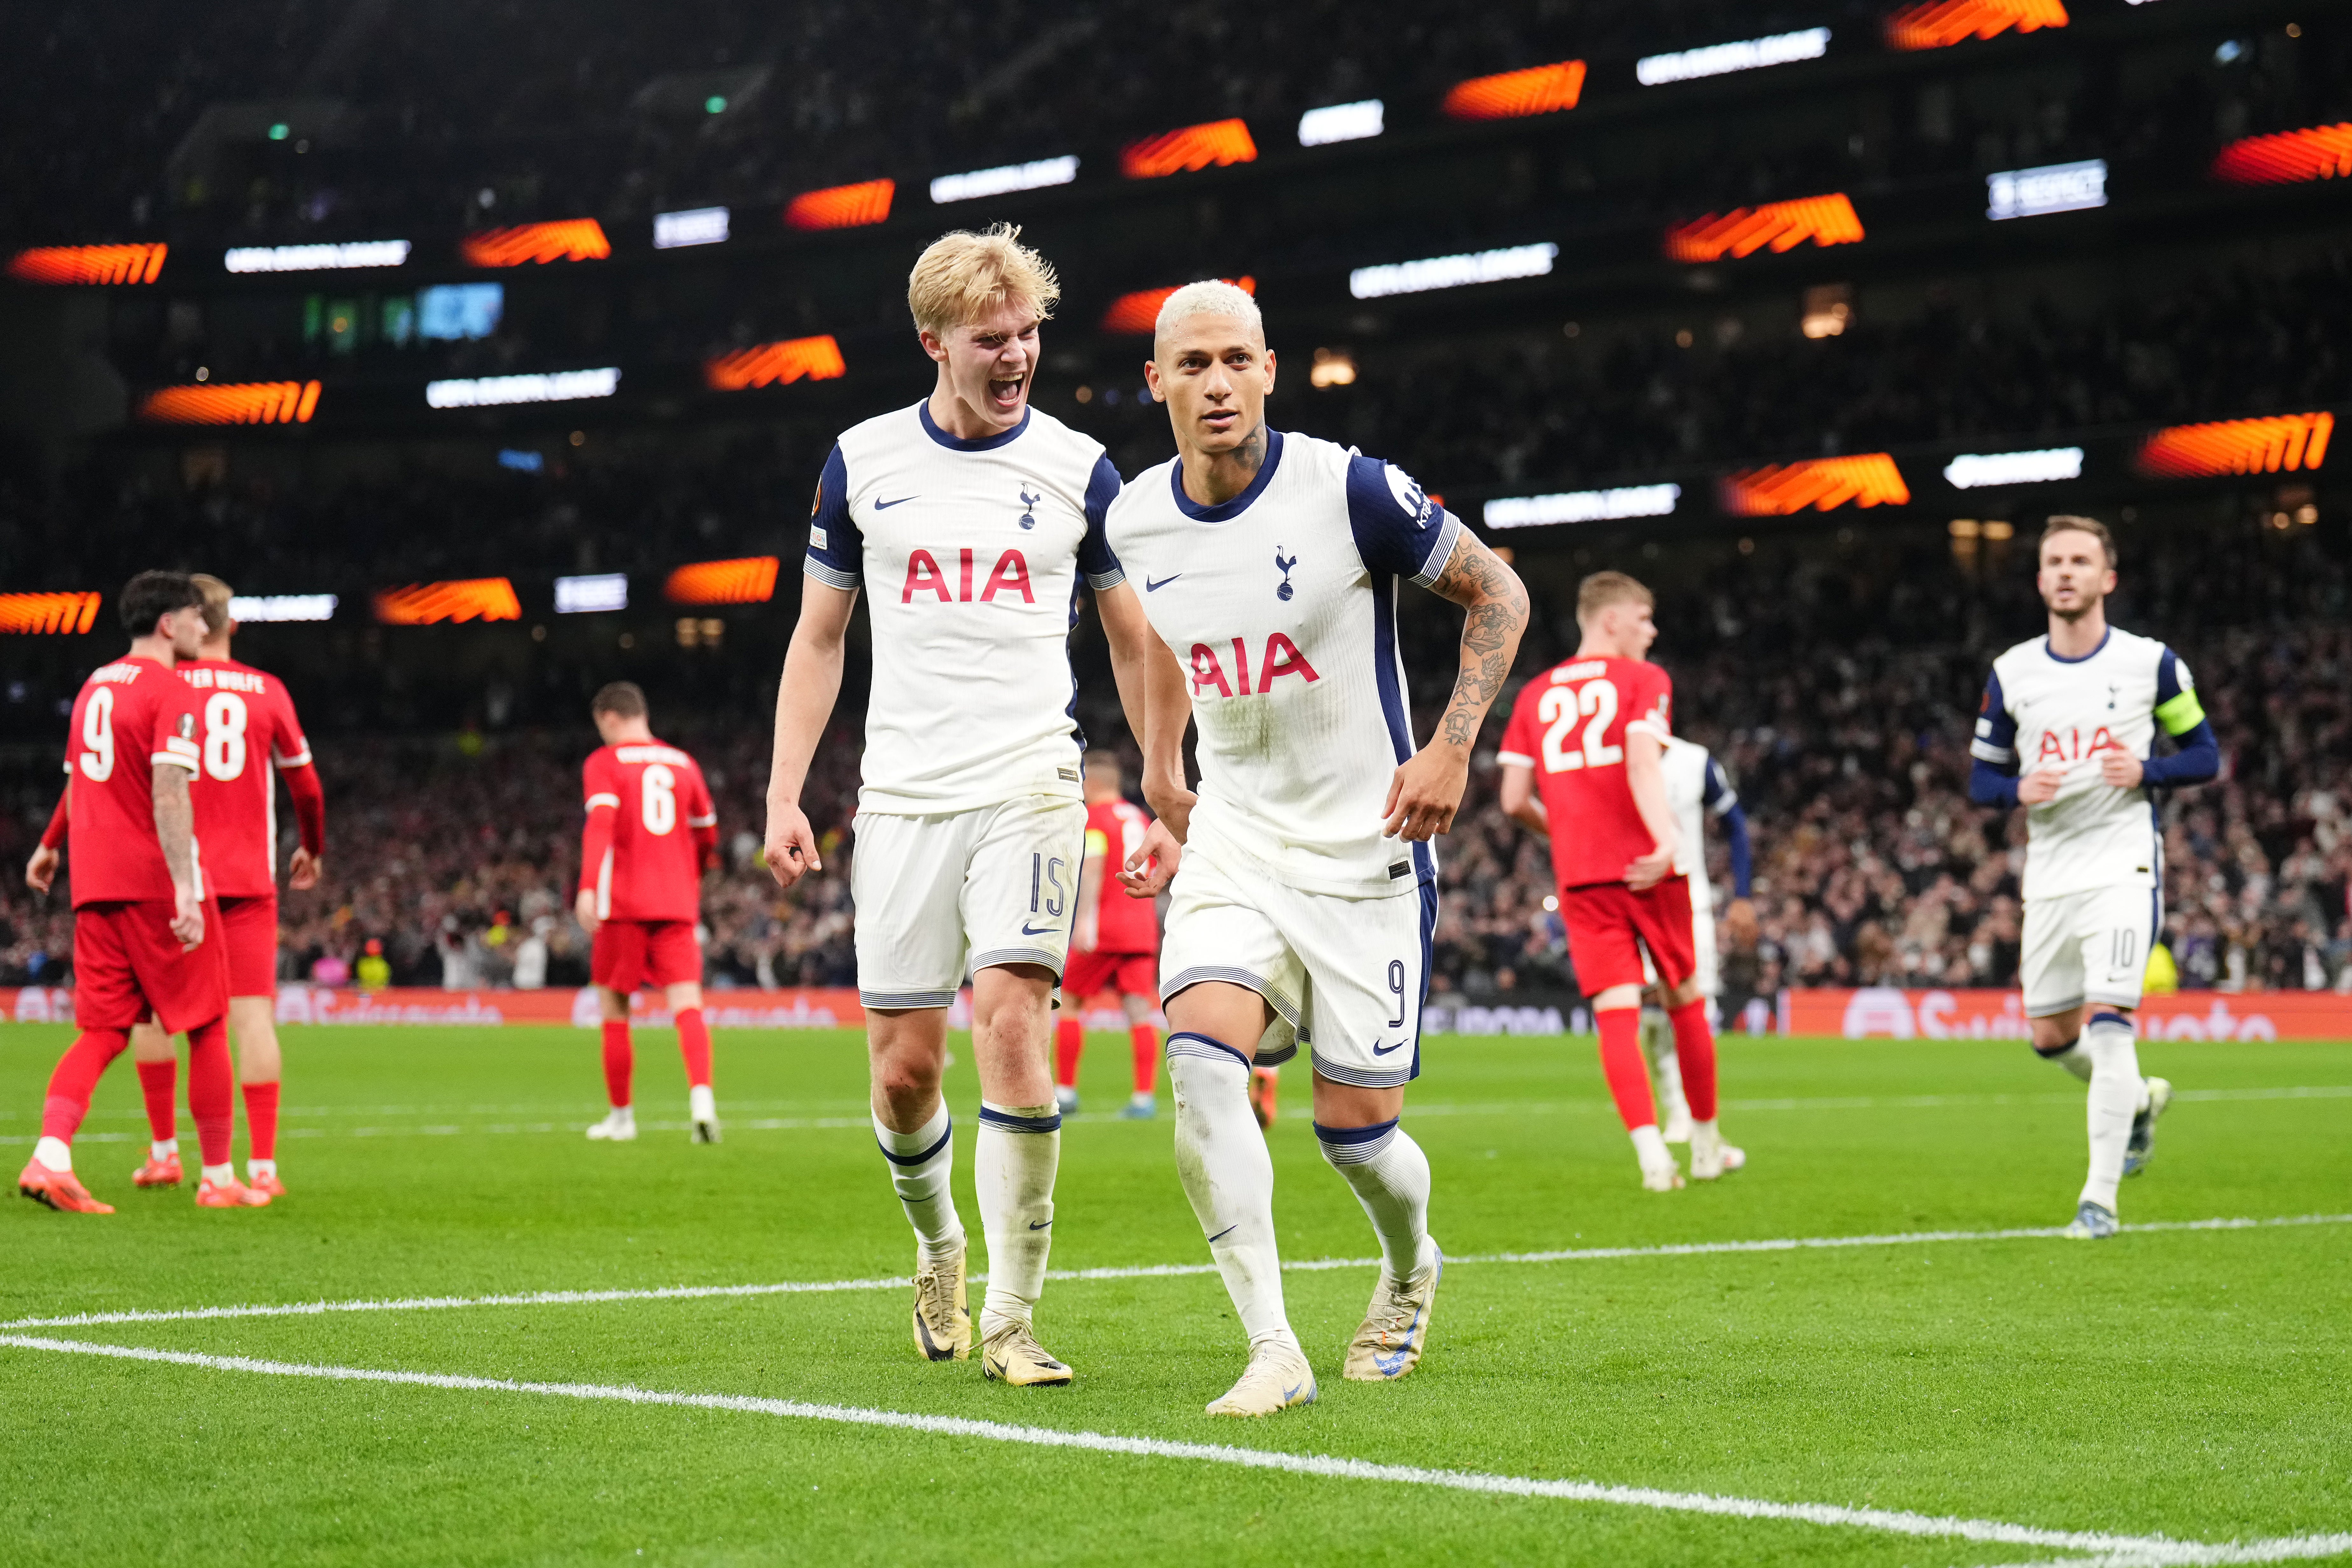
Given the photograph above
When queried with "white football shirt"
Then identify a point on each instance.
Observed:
(970, 551)
(1281, 605)
(1696, 790)
(2042, 710)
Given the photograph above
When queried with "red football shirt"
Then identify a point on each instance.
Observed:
(1570, 725)
(248, 730)
(650, 821)
(1115, 831)
(130, 718)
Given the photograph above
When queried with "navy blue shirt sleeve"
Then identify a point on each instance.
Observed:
(1716, 795)
(836, 550)
(1988, 785)
(1095, 557)
(1398, 528)
(1995, 737)
(1743, 860)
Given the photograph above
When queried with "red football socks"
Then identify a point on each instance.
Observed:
(76, 1078)
(1695, 1050)
(620, 1063)
(1069, 1039)
(212, 1089)
(1147, 1057)
(261, 1121)
(1628, 1080)
(159, 1082)
(694, 1045)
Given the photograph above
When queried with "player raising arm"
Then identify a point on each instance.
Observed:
(1304, 891)
(972, 517)
(2067, 730)
(651, 829)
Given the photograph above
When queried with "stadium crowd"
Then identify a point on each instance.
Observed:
(1836, 681)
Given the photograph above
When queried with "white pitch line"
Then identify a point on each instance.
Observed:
(1135, 1271)
(2143, 1552)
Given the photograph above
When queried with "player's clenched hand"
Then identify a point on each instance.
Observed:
(2040, 786)
(41, 870)
(302, 869)
(187, 918)
(1648, 870)
(1152, 867)
(583, 910)
(1424, 791)
(2117, 767)
(792, 844)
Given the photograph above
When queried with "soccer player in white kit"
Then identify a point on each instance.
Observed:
(1304, 893)
(2068, 731)
(973, 517)
(1696, 789)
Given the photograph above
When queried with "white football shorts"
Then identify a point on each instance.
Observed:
(2088, 947)
(939, 897)
(1347, 976)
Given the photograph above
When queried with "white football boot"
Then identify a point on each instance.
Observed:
(619, 1126)
(1277, 1378)
(942, 1324)
(1396, 1325)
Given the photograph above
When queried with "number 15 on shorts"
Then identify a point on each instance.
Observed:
(1049, 894)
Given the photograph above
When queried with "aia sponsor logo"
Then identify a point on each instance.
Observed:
(1279, 657)
(2067, 746)
(953, 585)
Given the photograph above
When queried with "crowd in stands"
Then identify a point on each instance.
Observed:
(1836, 682)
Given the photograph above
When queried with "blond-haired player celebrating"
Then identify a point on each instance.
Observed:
(2068, 731)
(972, 517)
(1304, 890)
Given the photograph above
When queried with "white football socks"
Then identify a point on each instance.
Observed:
(920, 1164)
(260, 1170)
(1222, 1158)
(702, 1105)
(54, 1152)
(224, 1173)
(162, 1148)
(2074, 1059)
(1391, 1176)
(2114, 1099)
(1013, 1159)
(1650, 1149)
(1665, 1068)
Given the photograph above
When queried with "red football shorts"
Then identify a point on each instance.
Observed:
(630, 953)
(251, 926)
(128, 965)
(1089, 974)
(1605, 920)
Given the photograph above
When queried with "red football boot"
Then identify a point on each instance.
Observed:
(229, 1194)
(268, 1186)
(58, 1189)
(162, 1172)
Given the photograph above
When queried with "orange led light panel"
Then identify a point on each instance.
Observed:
(2284, 442)
(569, 239)
(1214, 144)
(1783, 490)
(88, 264)
(466, 599)
(1136, 314)
(1539, 90)
(1780, 225)
(2322, 153)
(233, 402)
(770, 365)
(841, 206)
(47, 613)
(1939, 24)
(750, 581)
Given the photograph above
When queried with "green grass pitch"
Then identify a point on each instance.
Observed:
(2190, 1383)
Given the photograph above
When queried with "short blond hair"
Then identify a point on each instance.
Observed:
(1603, 589)
(216, 596)
(961, 276)
(1209, 297)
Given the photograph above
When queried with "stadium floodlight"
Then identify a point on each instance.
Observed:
(1030, 177)
(584, 596)
(1452, 271)
(1581, 506)
(254, 608)
(2051, 188)
(1975, 470)
(315, 258)
(1722, 59)
(495, 391)
(695, 226)
(1341, 122)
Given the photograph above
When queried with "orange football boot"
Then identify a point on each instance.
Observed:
(162, 1172)
(229, 1194)
(268, 1186)
(58, 1189)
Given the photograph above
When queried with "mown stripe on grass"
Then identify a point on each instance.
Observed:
(2151, 1551)
(1138, 1272)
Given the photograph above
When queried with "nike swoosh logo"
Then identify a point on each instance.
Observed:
(881, 505)
(1028, 930)
(1226, 1232)
(1041, 1224)
(1151, 587)
(1384, 1050)
(1292, 1392)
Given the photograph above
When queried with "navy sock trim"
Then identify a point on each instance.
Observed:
(2052, 1053)
(1206, 1040)
(2109, 1017)
(1345, 1135)
(897, 1159)
(991, 1117)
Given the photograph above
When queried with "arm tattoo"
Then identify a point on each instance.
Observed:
(1498, 606)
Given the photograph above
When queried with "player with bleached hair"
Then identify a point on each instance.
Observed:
(1304, 893)
(972, 516)
(2067, 730)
